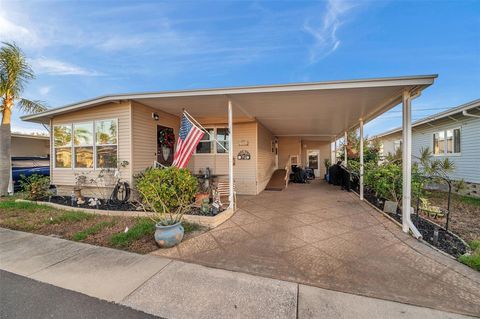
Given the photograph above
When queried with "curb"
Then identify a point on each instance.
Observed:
(207, 221)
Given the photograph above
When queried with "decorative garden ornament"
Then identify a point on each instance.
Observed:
(166, 152)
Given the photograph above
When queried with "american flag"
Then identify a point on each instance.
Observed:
(188, 140)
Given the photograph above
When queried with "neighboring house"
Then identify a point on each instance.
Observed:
(28, 145)
(453, 134)
(273, 126)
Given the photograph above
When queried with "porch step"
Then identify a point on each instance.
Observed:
(277, 181)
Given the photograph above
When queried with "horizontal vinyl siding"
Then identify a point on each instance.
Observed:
(467, 164)
(24, 146)
(119, 111)
(145, 134)
(288, 146)
(244, 171)
(265, 157)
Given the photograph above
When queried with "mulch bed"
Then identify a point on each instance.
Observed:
(446, 241)
(116, 206)
(105, 205)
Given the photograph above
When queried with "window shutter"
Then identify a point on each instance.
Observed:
(456, 140)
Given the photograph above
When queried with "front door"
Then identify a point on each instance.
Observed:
(165, 144)
(313, 157)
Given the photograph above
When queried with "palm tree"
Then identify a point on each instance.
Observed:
(15, 72)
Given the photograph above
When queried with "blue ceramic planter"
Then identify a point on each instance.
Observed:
(169, 236)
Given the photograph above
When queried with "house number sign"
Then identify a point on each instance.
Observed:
(243, 155)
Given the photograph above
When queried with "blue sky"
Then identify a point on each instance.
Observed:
(82, 49)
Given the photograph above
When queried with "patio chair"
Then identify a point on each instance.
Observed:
(223, 189)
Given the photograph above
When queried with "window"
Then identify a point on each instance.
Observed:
(205, 146)
(62, 135)
(89, 145)
(453, 141)
(83, 145)
(106, 143)
(208, 145)
(446, 142)
(222, 137)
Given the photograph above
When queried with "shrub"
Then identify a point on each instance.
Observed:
(472, 260)
(36, 186)
(168, 192)
(385, 180)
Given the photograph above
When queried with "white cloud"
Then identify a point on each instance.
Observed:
(56, 67)
(15, 32)
(324, 32)
(44, 90)
(117, 43)
(28, 130)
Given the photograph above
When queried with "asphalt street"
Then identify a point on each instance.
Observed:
(25, 298)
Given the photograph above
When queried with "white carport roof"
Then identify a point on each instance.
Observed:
(318, 110)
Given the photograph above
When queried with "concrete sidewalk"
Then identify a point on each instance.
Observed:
(175, 289)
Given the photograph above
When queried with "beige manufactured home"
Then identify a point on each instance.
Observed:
(271, 127)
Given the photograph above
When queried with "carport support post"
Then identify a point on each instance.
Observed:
(361, 159)
(335, 152)
(406, 160)
(230, 155)
(345, 141)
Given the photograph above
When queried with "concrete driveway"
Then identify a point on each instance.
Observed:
(317, 235)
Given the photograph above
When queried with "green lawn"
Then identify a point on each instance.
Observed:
(128, 233)
(472, 260)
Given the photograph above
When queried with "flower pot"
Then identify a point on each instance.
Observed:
(168, 236)
(78, 193)
(199, 197)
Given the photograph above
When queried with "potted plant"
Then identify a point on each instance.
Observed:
(80, 181)
(167, 194)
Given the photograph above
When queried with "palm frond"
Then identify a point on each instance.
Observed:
(15, 71)
(31, 107)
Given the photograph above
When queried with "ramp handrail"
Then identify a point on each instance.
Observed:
(288, 168)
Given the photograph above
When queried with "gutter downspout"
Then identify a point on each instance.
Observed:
(407, 164)
(465, 113)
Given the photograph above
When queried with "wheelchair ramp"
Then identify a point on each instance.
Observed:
(277, 181)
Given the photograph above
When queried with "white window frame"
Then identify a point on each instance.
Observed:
(93, 146)
(55, 147)
(445, 147)
(72, 144)
(215, 144)
(95, 141)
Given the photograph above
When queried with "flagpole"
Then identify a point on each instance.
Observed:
(204, 129)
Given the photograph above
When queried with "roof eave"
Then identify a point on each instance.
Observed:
(459, 109)
(422, 81)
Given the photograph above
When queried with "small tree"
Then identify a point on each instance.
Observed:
(167, 192)
(15, 72)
